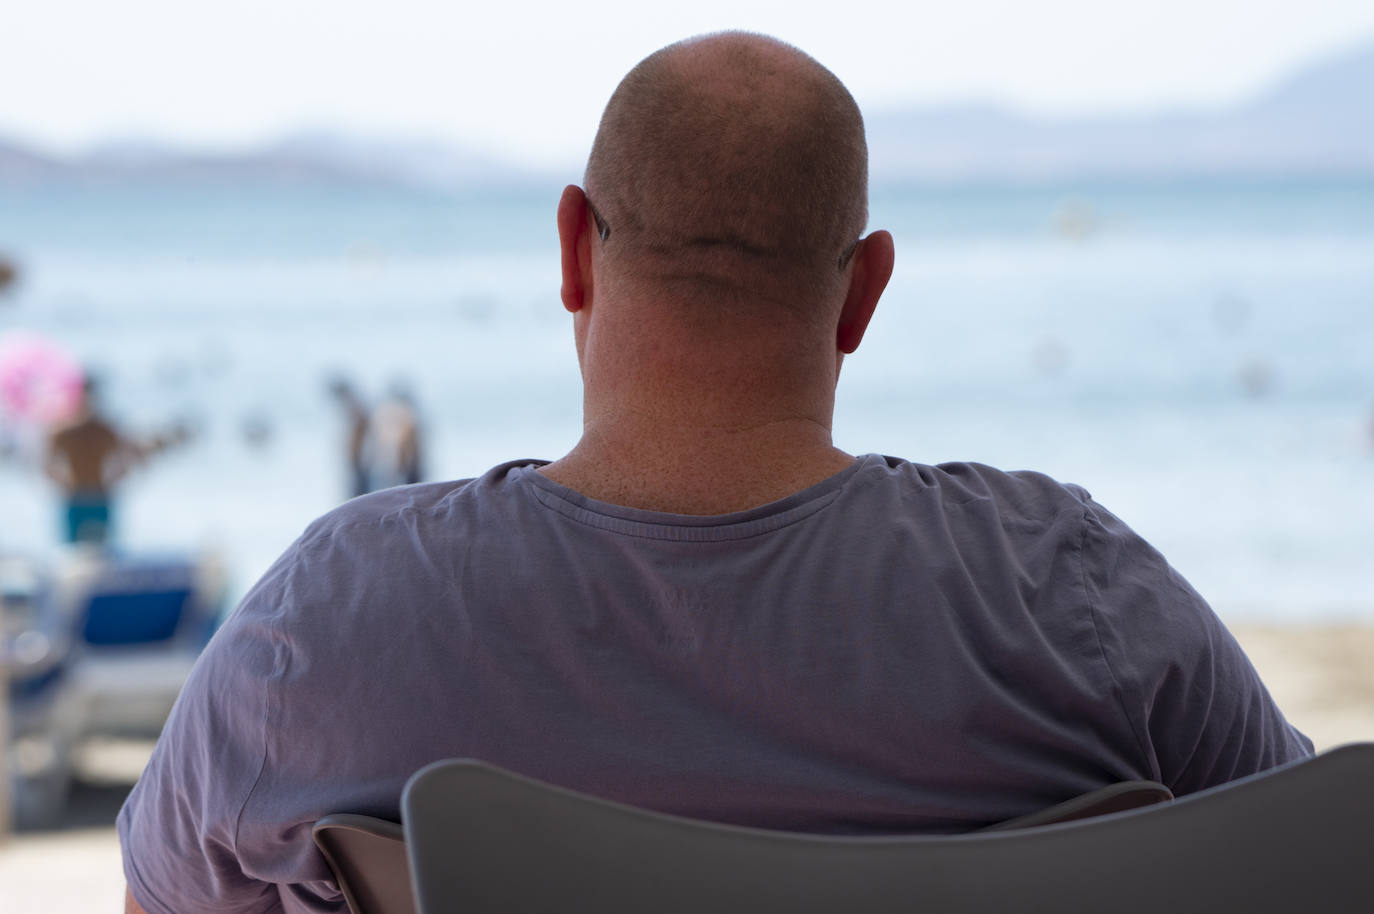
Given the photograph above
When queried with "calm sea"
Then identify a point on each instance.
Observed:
(1199, 355)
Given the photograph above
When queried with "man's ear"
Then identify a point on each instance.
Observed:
(871, 268)
(574, 240)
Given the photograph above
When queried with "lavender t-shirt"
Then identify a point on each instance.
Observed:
(899, 648)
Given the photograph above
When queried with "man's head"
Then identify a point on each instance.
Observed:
(730, 164)
(714, 264)
(729, 176)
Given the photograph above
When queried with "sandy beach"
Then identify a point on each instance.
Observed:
(1322, 676)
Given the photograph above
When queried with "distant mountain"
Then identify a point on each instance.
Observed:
(1318, 121)
(18, 162)
(429, 162)
(1341, 85)
(301, 158)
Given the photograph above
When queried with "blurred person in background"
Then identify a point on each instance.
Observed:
(87, 456)
(356, 417)
(9, 274)
(393, 450)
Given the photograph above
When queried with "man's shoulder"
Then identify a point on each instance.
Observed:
(398, 535)
(960, 482)
(81, 427)
(442, 505)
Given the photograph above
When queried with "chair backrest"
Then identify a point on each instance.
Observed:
(368, 857)
(1298, 837)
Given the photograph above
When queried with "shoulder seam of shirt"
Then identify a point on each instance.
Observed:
(1142, 742)
(339, 521)
(320, 532)
(280, 660)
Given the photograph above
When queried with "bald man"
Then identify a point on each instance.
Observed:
(705, 608)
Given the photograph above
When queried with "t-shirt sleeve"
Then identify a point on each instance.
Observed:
(178, 828)
(1199, 709)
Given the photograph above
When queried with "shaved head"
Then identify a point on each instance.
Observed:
(713, 266)
(730, 165)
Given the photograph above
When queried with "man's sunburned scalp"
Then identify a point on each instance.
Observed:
(729, 164)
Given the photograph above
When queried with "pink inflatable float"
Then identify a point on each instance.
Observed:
(39, 381)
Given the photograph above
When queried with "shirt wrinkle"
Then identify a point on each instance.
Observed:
(1117, 689)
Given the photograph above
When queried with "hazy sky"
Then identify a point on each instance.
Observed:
(528, 79)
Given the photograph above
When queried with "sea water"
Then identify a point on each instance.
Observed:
(1198, 355)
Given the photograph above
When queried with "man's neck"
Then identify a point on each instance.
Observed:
(698, 468)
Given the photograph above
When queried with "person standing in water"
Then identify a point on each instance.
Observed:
(87, 456)
(355, 412)
(393, 445)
